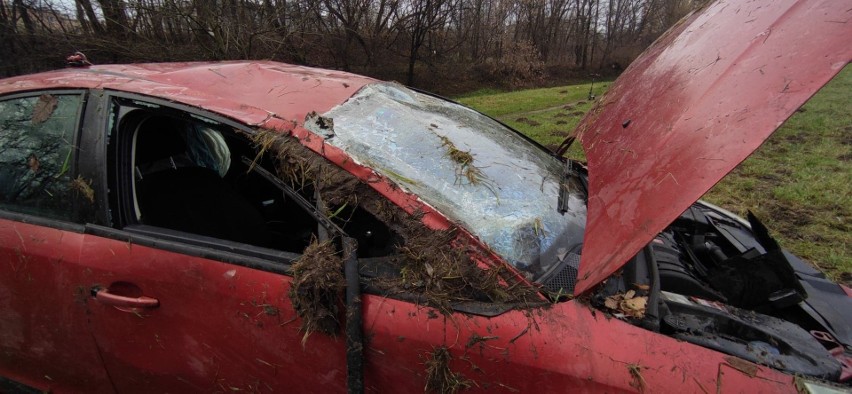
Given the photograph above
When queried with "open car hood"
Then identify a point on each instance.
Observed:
(695, 104)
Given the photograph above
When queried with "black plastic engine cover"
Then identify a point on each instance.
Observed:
(752, 336)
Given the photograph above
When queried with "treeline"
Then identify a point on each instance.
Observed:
(427, 43)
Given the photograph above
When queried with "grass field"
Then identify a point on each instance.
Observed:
(799, 182)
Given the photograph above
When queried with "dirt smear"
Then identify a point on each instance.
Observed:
(317, 287)
(439, 377)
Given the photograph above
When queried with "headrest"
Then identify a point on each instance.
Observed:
(159, 137)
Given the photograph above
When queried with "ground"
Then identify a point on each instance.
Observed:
(799, 182)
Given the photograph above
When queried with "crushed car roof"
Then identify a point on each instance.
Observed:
(693, 106)
(251, 92)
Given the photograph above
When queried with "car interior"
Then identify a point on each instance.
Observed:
(192, 176)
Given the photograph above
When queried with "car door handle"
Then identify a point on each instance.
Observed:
(105, 297)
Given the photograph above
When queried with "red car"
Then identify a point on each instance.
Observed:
(257, 226)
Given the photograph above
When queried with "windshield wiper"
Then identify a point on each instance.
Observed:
(564, 146)
(573, 182)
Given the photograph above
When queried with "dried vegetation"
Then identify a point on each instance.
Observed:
(318, 282)
(627, 303)
(464, 160)
(439, 377)
(433, 264)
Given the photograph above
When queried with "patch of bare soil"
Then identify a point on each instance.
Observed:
(789, 221)
(527, 121)
(846, 278)
(847, 136)
(795, 138)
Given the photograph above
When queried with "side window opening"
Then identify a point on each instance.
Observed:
(37, 156)
(263, 194)
(189, 175)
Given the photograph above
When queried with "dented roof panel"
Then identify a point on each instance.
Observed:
(250, 92)
(693, 106)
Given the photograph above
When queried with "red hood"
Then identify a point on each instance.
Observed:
(698, 102)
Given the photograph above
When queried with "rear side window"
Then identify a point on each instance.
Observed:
(36, 156)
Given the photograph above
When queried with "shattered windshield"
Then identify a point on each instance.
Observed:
(478, 173)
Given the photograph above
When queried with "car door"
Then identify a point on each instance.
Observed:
(44, 341)
(180, 306)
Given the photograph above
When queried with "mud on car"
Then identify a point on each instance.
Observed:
(261, 226)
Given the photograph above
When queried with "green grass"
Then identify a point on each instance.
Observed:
(799, 182)
(546, 115)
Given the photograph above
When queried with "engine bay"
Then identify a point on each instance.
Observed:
(716, 281)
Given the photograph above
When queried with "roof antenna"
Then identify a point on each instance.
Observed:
(78, 59)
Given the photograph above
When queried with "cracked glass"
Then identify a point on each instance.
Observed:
(477, 172)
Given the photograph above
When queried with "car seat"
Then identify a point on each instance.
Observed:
(175, 192)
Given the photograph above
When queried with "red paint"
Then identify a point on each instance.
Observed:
(124, 303)
(44, 291)
(250, 92)
(221, 327)
(846, 290)
(699, 101)
(566, 348)
(224, 327)
(218, 327)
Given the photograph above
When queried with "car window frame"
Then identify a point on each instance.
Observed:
(195, 245)
(78, 223)
(114, 225)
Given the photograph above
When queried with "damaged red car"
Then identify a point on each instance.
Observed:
(266, 227)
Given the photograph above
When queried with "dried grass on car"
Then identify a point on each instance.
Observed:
(439, 377)
(316, 292)
(432, 264)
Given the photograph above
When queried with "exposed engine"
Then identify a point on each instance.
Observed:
(714, 281)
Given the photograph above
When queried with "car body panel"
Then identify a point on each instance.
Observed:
(233, 327)
(693, 106)
(260, 88)
(251, 92)
(568, 347)
(227, 327)
(44, 335)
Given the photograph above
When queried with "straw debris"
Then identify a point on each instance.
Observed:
(439, 377)
(446, 274)
(433, 264)
(464, 159)
(318, 282)
(307, 171)
(84, 188)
